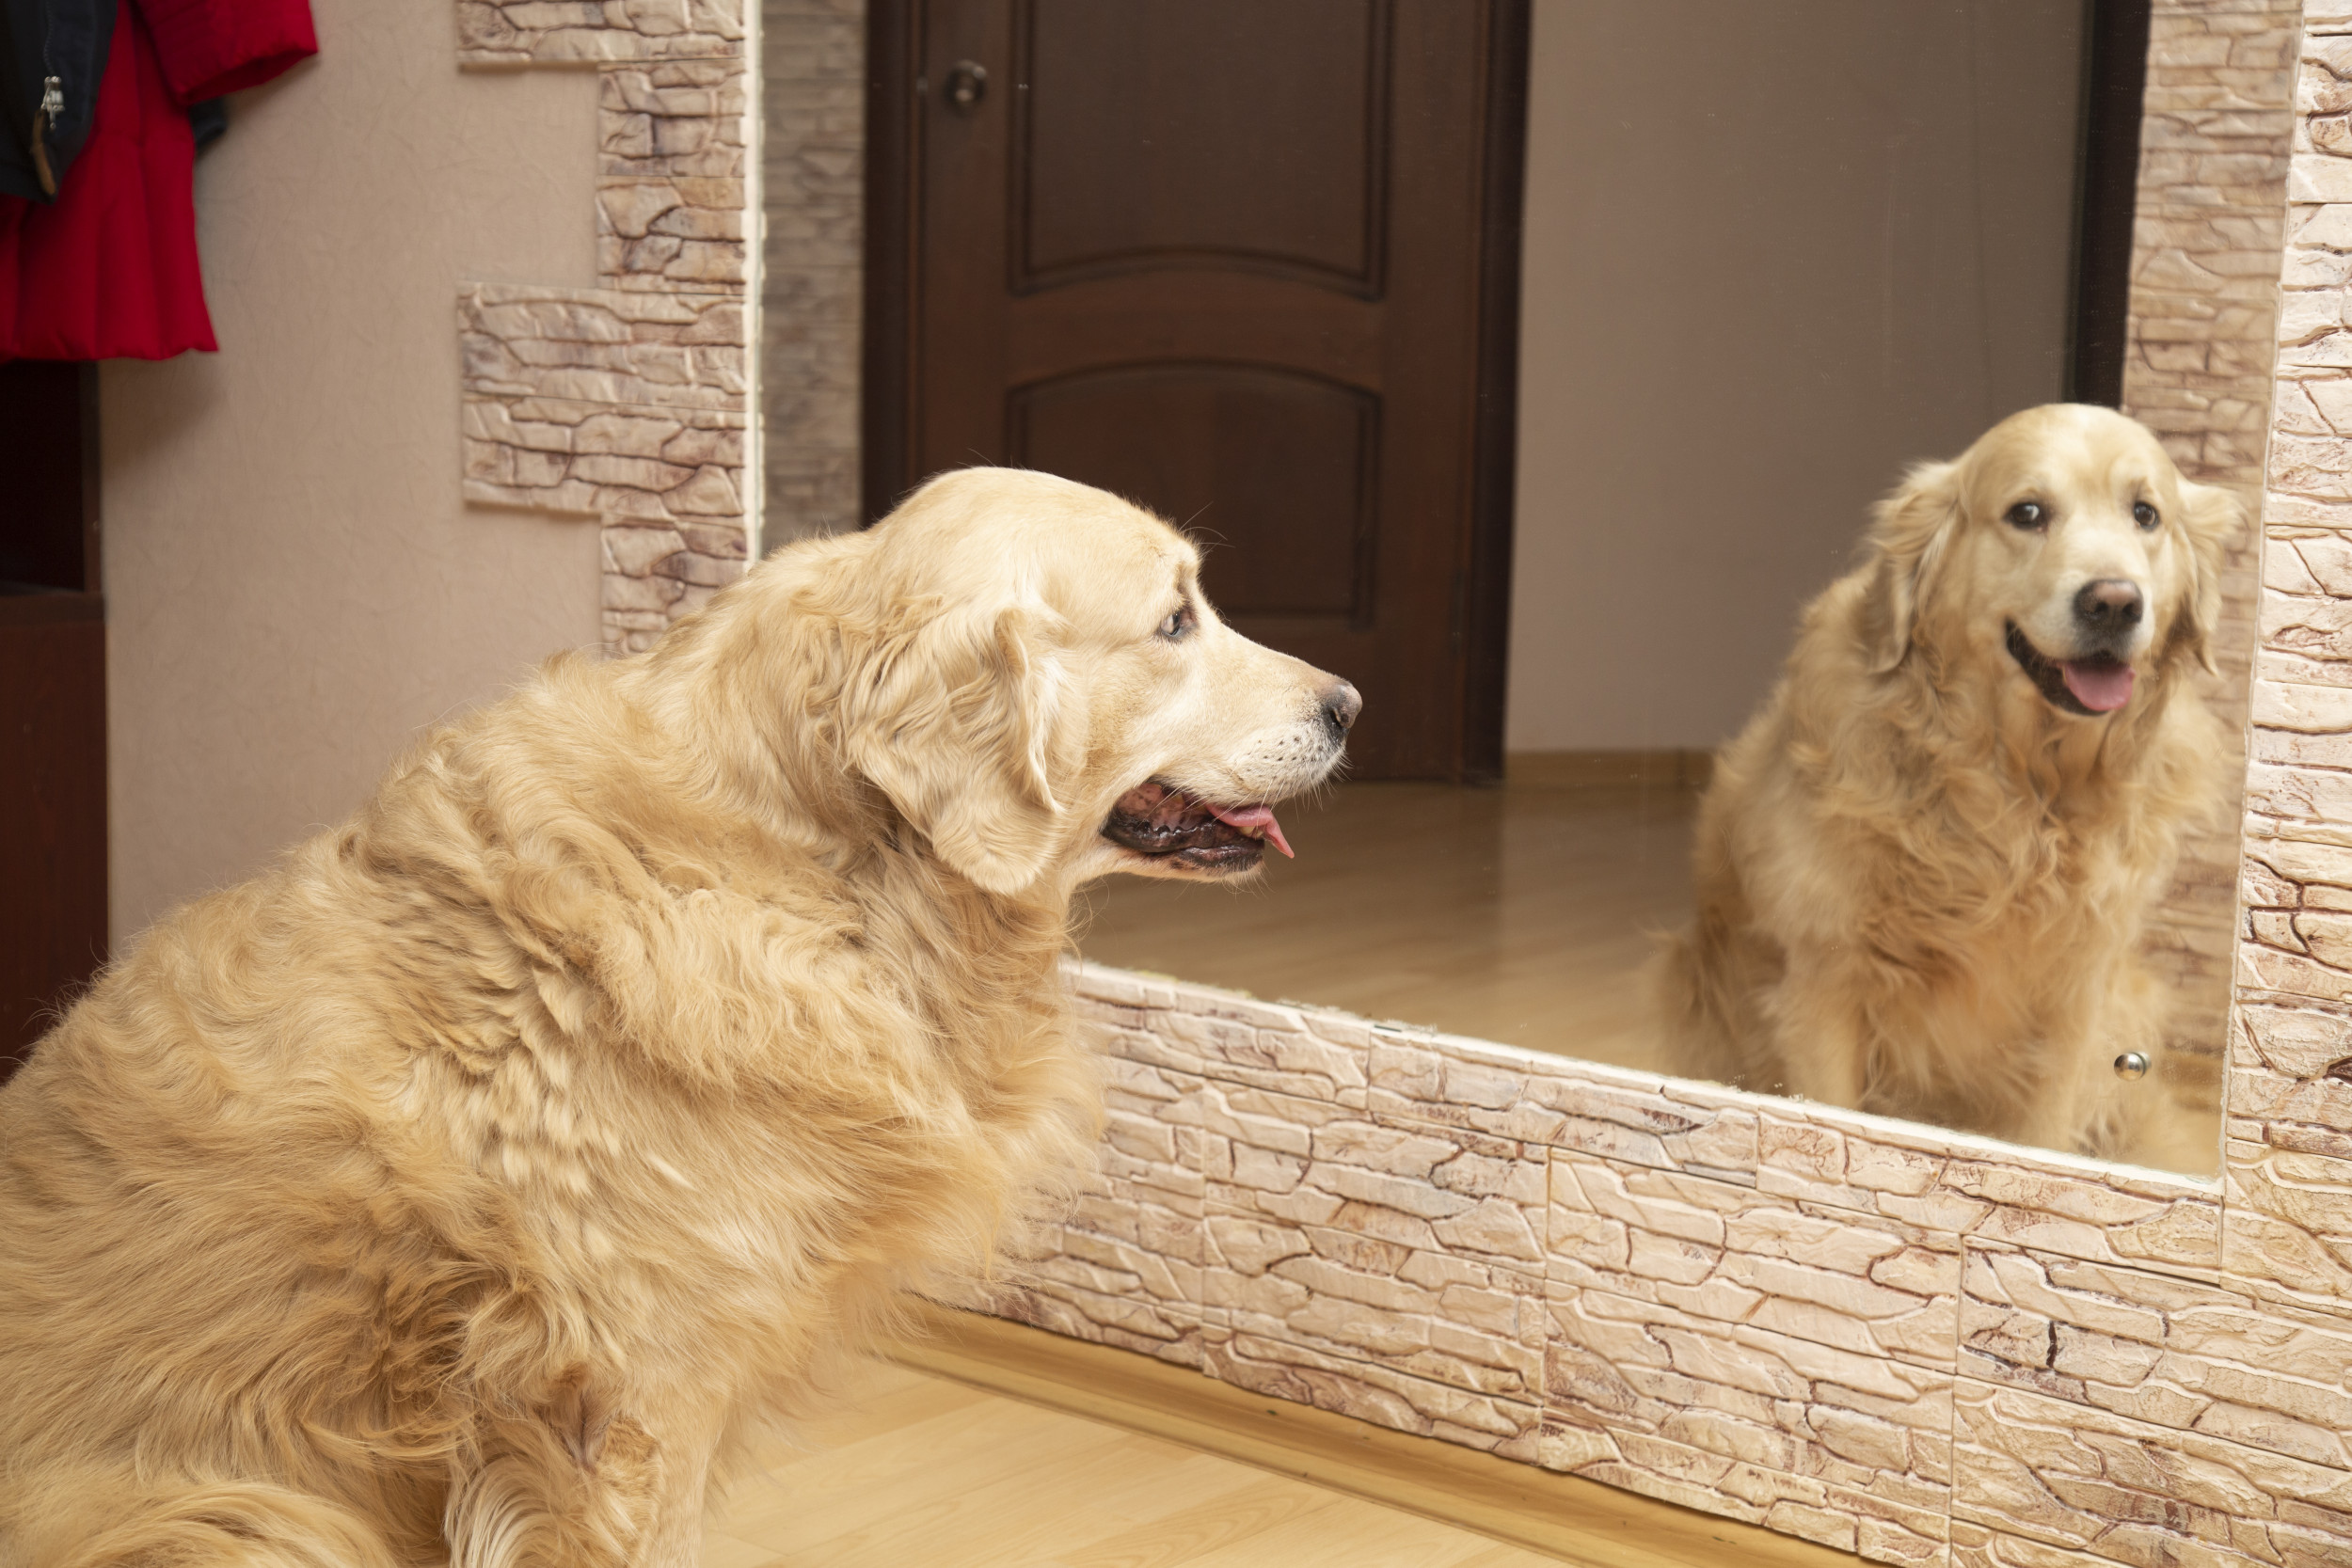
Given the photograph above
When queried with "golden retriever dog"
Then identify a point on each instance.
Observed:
(1923, 871)
(472, 1187)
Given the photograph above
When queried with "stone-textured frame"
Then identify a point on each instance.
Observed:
(2199, 337)
(633, 403)
(1918, 1345)
(1915, 1344)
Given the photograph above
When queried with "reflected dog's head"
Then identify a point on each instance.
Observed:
(1026, 668)
(2064, 552)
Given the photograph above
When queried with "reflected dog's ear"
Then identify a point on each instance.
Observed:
(964, 717)
(1909, 532)
(2213, 520)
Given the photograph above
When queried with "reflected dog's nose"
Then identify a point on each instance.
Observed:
(1341, 704)
(2109, 604)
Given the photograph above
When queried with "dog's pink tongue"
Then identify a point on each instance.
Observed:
(2102, 687)
(1258, 818)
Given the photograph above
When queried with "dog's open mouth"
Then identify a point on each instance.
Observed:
(1180, 829)
(2088, 686)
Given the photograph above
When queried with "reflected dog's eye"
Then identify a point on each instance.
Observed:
(1178, 622)
(2032, 516)
(2145, 516)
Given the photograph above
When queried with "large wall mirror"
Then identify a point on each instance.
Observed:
(1536, 372)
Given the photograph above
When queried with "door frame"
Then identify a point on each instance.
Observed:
(1480, 634)
(2107, 197)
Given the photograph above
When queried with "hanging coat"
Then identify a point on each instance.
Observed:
(110, 269)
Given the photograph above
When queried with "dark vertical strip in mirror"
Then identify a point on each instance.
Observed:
(1483, 613)
(53, 700)
(2115, 77)
(891, 180)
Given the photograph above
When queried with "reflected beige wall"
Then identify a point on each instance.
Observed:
(293, 587)
(1772, 254)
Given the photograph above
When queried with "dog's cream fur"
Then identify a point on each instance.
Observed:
(472, 1185)
(1921, 886)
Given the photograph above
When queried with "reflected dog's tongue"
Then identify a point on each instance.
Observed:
(2102, 685)
(1260, 819)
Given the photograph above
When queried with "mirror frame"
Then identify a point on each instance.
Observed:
(1922, 1346)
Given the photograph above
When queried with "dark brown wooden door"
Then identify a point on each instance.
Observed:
(1250, 263)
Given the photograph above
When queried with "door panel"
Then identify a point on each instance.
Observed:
(1156, 145)
(1241, 262)
(1281, 461)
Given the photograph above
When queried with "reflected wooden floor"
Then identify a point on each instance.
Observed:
(1518, 913)
(919, 1470)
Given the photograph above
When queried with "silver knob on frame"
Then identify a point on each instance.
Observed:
(2132, 1066)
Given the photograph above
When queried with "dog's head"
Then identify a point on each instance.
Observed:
(1026, 668)
(2064, 549)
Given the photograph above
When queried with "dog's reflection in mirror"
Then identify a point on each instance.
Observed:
(1924, 870)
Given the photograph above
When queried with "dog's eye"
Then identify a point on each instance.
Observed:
(2145, 516)
(1178, 622)
(2030, 515)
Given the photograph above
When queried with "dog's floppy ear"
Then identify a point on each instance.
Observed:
(2213, 520)
(964, 715)
(1911, 529)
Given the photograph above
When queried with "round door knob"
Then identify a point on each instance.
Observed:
(965, 86)
(2132, 1066)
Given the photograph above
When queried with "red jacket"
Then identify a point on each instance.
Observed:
(110, 270)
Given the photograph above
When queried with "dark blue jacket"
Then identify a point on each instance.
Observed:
(52, 55)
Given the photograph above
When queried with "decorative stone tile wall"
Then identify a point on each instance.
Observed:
(671, 171)
(2049, 1471)
(1403, 1263)
(2215, 126)
(1921, 1346)
(1779, 1361)
(2214, 129)
(2287, 1225)
(2178, 1353)
(813, 53)
(564, 32)
(630, 403)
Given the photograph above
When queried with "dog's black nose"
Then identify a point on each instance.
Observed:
(2109, 604)
(1341, 704)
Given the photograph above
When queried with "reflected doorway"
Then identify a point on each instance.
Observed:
(1252, 266)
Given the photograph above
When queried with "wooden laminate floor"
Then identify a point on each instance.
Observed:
(1519, 914)
(919, 1471)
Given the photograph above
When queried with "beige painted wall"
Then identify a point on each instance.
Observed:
(1773, 253)
(293, 587)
